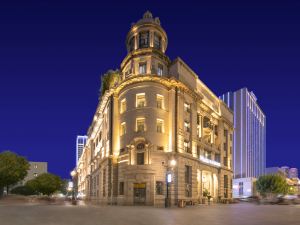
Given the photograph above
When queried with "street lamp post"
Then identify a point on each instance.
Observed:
(171, 164)
(73, 174)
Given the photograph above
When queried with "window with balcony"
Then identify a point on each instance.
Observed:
(186, 146)
(157, 41)
(123, 128)
(187, 126)
(159, 125)
(140, 100)
(160, 70)
(159, 101)
(143, 68)
(144, 39)
(187, 107)
(123, 105)
(140, 124)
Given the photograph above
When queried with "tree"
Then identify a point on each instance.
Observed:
(23, 190)
(45, 183)
(13, 168)
(271, 184)
(108, 80)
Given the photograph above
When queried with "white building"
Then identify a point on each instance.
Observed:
(80, 143)
(249, 141)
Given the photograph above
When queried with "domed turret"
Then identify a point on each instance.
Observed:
(146, 33)
(146, 44)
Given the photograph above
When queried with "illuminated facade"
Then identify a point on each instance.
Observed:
(157, 123)
(80, 143)
(249, 148)
(249, 141)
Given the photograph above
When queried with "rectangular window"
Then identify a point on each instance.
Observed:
(159, 187)
(225, 161)
(225, 134)
(187, 126)
(217, 158)
(35, 174)
(188, 181)
(142, 68)
(140, 124)
(104, 183)
(160, 70)
(198, 151)
(140, 158)
(216, 130)
(187, 107)
(159, 101)
(159, 126)
(241, 188)
(207, 154)
(123, 128)
(144, 39)
(225, 186)
(123, 106)
(186, 145)
(140, 100)
(225, 147)
(121, 188)
(157, 41)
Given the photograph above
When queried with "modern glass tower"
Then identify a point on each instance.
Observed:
(249, 146)
(80, 143)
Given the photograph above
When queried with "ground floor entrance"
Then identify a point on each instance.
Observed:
(139, 193)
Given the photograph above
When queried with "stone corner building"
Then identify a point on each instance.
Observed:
(158, 133)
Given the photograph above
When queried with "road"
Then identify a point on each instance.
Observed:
(236, 214)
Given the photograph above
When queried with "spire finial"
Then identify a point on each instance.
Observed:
(147, 15)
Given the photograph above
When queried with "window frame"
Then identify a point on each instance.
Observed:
(137, 125)
(137, 100)
(160, 121)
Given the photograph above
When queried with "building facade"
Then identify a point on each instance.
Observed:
(80, 143)
(284, 170)
(35, 169)
(159, 134)
(249, 145)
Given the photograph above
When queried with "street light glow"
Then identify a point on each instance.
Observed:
(73, 173)
(173, 162)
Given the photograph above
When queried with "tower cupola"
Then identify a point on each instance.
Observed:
(146, 44)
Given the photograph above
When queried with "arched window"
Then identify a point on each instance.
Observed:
(131, 44)
(157, 41)
(144, 39)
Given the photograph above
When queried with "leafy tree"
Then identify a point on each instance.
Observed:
(23, 190)
(108, 80)
(272, 184)
(45, 183)
(13, 168)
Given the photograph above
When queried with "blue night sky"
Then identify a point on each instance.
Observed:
(53, 52)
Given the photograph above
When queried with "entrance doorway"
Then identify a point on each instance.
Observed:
(139, 194)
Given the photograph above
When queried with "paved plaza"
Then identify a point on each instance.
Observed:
(236, 214)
